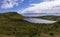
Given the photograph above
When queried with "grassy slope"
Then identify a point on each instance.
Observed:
(11, 24)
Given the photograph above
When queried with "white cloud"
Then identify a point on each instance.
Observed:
(47, 6)
(9, 4)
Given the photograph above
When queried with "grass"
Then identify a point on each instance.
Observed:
(13, 25)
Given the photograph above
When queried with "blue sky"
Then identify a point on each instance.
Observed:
(7, 5)
(30, 6)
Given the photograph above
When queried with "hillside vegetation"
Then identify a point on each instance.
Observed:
(13, 25)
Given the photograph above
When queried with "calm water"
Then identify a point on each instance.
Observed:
(36, 20)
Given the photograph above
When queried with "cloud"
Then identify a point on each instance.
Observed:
(10, 3)
(52, 6)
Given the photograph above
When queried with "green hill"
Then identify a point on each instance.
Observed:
(13, 25)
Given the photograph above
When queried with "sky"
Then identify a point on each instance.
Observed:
(15, 5)
(30, 6)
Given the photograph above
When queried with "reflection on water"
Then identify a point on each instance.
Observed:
(36, 20)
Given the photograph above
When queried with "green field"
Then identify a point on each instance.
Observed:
(13, 25)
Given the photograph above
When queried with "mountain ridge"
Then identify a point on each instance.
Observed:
(13, 25)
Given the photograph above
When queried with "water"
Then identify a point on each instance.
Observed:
(36, 20)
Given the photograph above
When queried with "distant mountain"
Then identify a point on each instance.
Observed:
(40, 14)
